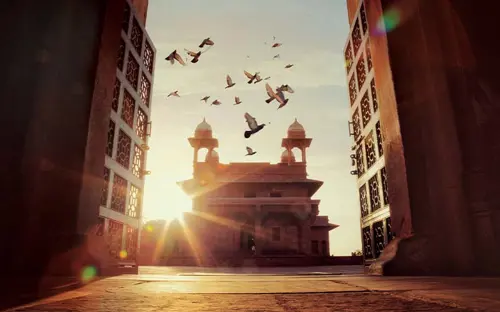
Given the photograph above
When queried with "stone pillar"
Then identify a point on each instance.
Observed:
(195, 154)
(305, 237)
(259, 231)
(304, 156)
(58, 100)
(435, 150)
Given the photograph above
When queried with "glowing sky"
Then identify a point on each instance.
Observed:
(313, 34)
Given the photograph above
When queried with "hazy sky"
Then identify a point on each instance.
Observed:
(313, 34)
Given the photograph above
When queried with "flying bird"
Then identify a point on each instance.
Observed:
(174, 56)
(205, 98)
(250, 151)
(216, 102)
(175, 93)
(257, 78)
(237, 100)
(270, 93)
(229, 82)
(275, 45)
(289, 66)
(286, 88)
(250, 76)
(194, 55)
(205, 42)
(280, 97)
(276, 56)
(252, 124)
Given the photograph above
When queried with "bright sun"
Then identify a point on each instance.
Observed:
(177, 203)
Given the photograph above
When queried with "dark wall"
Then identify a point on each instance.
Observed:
(49, 59)
(445, 81)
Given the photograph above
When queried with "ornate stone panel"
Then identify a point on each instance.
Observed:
(373, 185)
(378, 237)
(111, 138)
(363, 201)
(367, 242)
(119, 193)
(361, 71)
(105, 187)
(356, 37)
(366, 113)
(134, 201)
(353, 90)
(123, 149)
(128, 108)
(371, 156)
(348, 57)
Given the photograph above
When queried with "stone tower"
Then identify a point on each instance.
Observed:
(296, 138)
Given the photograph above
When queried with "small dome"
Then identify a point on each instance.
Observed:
(213, 155)
(296, 130)
(284, 156)
(203, 130)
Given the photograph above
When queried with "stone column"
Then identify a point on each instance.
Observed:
(305, 234)
(259, 232)
(433, 152)
(60, 85)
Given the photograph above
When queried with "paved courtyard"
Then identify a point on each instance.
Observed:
(274, 289)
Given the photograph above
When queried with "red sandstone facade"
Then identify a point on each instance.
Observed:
(366, 130)
(437, 96)
(120, 208)
(245, 210)
(84, 73)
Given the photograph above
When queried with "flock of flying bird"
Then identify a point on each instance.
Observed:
(276, 94)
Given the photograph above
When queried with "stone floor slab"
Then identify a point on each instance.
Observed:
(348, 302)
(177, 291)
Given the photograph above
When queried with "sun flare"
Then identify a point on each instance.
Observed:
(177, 203)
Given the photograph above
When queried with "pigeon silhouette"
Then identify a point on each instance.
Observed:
(252, 124)
(250, 151)
(175, 93)
(250, 76)
(205, 98)
(229, 82)
(270, 93)
(257, 78)
(216, 102)
(205, 42)
(286, 88)
(276, 56)
(194, 55)
(174, 56)
(289, 66)
(237, 100)
(280, 97)
(275, 45)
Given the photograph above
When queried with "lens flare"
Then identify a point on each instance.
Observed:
(388, 21)
(123, 254)
(88, 273)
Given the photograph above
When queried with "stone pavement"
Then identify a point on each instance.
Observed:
(272, 290)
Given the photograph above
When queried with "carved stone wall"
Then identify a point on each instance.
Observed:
(438, 109)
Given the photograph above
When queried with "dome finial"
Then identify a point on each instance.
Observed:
(296, 130)
(203, 130)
